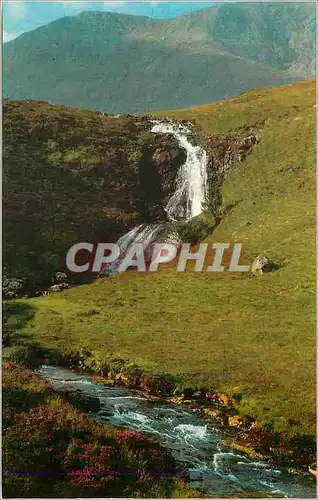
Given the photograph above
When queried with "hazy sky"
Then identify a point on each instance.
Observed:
(24, 16)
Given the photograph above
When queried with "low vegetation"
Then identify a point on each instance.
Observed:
(75, 175)
(51, 449)
(229, 333)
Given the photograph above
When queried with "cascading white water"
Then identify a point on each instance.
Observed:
(144, 233)
(195, 443)
(191, 185)
(188, 198)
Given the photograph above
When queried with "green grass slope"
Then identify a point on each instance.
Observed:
(121, 63)
(228, 332)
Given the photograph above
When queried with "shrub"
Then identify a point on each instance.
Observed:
(195, 231)
(21, 354)
(156, 384)
(12, 287)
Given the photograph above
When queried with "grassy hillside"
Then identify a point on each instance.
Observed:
(75, 175)
(227, 332)
(121, 63)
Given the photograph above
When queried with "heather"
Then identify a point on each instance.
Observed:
(51, 449)
(74, 175)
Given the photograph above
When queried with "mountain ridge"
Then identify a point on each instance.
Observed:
(121, 63)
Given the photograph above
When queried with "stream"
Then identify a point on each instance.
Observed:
(194, 442)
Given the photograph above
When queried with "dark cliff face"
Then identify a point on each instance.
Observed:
(225, 151)
(160, 161)
(75, 175)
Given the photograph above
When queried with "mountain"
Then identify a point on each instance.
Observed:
(131, 64)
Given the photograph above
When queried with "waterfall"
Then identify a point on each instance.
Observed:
(144, 233)
(187, 200)
(191, 185)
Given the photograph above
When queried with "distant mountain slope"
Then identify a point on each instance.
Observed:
(122, 63)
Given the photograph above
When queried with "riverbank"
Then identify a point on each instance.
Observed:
(245, 435)
(195, 443)
(52, 449)
(248, 437)
(149, 323)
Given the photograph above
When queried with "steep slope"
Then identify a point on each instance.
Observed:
(281, 36)
(73, 175)
(225, 332)
(121, 63)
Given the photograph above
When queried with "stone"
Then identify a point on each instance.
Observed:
(213, 413)
(121, 377)
(60, 287)
(106, 381)
(177, 399)
(313, 469)
(246, 449)
(59, 277)
(225, 400)
(236, 421)
(258, 265)
(82, 401)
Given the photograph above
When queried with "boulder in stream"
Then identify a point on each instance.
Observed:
(81, 401)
